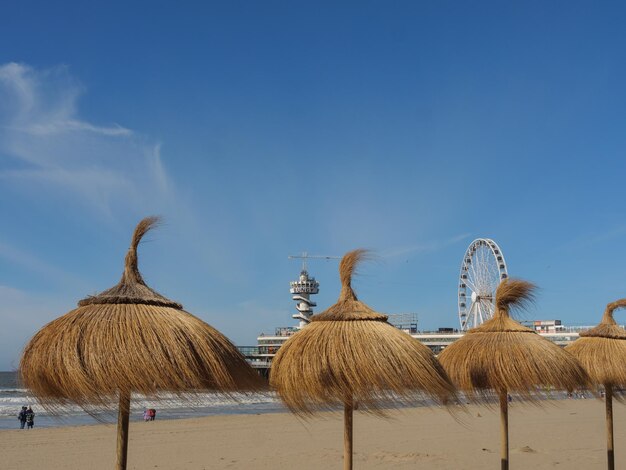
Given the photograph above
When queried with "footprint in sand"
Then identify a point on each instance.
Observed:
(525, 449)
(396, 457)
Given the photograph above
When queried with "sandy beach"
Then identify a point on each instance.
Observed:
(567, 434)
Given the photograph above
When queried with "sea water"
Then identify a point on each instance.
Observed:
(168, 406)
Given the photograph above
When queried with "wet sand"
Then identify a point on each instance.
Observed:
(568, 434)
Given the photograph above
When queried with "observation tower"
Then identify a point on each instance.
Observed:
(302, 289)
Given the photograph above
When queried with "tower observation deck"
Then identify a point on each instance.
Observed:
(301, 291)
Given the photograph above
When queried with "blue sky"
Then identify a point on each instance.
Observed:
(262, 129)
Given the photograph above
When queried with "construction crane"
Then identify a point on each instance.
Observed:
(304, 256)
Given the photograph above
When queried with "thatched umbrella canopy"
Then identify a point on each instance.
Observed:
(602, 353)
(503, 356)
(350, 355)
(129, 339)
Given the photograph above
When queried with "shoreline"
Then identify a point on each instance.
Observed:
(44, 420)
(566, 434)
(203, 405)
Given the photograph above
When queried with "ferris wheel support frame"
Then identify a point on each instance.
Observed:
(482, 269)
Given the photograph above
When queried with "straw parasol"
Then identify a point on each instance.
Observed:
(129, 339)
(350, 355)
(503, 356)
(602, 353)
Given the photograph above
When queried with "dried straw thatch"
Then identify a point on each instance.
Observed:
(130, 339)
(602, 350)
(602, 353)
(350, 355)
(503, 356)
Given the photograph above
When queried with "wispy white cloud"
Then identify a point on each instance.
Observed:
(595, 238)
(22, 313)
(44, 141)
(35, 265)
(11, 294)
(618, 231)
(424, 247)
(70, 125)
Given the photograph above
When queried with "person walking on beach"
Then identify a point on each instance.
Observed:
(30, 418)
(22, 417)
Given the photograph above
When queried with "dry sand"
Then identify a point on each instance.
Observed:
(567, 434)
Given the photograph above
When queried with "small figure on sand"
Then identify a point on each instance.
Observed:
(22, 417)
(30, 418)
(149, 414)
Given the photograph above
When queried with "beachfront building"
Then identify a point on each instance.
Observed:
(260, 356)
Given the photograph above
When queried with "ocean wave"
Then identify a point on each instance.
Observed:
(10, 406)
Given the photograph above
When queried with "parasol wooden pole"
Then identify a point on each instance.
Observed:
(609, 426)
(347, 435)
(122, 430)
(504, 429)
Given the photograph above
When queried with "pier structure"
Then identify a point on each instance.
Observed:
(483, 267)
(260, 356)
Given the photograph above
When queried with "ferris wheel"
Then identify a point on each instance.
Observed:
(482, 270)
